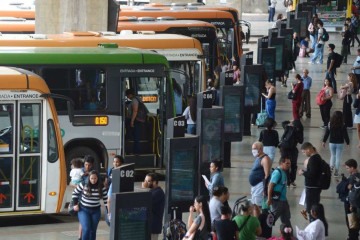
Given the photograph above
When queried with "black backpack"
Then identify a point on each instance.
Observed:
(338, 59)
(325, 176)
(325, 36)
(288, 139)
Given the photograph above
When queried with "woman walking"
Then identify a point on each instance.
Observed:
(338, 135)
(326, 107)
(349, 88)
(270, 103)
(297, 90)
(86, 199)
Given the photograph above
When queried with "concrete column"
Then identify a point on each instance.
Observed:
(58, 16)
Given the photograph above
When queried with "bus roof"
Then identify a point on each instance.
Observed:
(12, 26)
(165, 23)
(81, 56)
(178, 14)
(15, 11)
(159, 42)
(20, 79)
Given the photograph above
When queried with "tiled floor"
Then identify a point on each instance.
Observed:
(236, 178)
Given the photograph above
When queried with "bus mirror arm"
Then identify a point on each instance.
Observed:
(69, 103)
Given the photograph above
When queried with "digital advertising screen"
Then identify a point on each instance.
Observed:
(268, 61)
(132, 223)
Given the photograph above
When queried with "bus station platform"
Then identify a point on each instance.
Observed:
(236, 177)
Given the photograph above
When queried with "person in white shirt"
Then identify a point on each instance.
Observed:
(356, 68)
(76, 172)
(319, 48)
(190, 116)
(318, 228)
(272, 10)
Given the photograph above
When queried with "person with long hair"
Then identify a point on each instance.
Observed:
(270, 103)
(338, 135)
(269, 138)
(357, 115)
(200, 227)
(312, 28)
(349, 88)
(216, 178)
(248, 225)
(220, 196)
(86, 198)
(326, 107)
(286, 232)
(190, 115)
(297, 89)
(318, 228)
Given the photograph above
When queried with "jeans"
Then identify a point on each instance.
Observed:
(270, 105)
(89, 219)
(191, 129)
(138, 126)
(270, 151)
(319, 53)
(336, 150)
(271, 14)
(313, 41)
(331, 76)
(305, 103)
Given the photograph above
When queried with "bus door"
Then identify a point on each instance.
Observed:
(143, 143)
(20, 155)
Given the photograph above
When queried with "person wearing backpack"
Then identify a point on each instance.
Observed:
(338, 135)
(354, 177)
(331, 66)
(319, 49)
(311, 175)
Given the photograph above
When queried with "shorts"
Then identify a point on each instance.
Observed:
(357, 119)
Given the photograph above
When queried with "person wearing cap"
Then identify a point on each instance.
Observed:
(330, 66)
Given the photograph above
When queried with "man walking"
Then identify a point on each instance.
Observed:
(311, 174)
(305, 96)
(330, 66)
(158, 203)
(319, 48)
(277, 200)
(259, 173)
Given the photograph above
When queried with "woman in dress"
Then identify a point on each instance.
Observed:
(326, 107)
(338, 135)
(200, 227)
(270, 103)
(349, 88)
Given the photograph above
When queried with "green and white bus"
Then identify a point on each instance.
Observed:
(96, 79)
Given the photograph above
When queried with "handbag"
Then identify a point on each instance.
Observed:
(353, 221)
(291, 95)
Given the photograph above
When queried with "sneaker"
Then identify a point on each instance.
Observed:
(285, 85)
(332, 169)
(336, 174)
(323, 127)
(311, 62)
(349, 128)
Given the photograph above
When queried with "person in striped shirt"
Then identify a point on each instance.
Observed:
(86, 199)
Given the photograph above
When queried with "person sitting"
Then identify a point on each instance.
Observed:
(225, 228)
(248, 225)
(318, 228)
(200, 227)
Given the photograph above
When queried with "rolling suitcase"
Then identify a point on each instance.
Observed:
(261, 116)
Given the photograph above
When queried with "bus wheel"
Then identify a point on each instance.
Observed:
(80, 152)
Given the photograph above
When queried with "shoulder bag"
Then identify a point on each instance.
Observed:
(243, 225)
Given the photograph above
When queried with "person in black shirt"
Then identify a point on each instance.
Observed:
(345, 43)
(311, 174)
(269, 138)
(330, 66)
(225, 228)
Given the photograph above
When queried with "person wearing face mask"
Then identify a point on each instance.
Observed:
(260, 171)
(151, 182)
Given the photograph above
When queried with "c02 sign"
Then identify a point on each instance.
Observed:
(126, 173)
